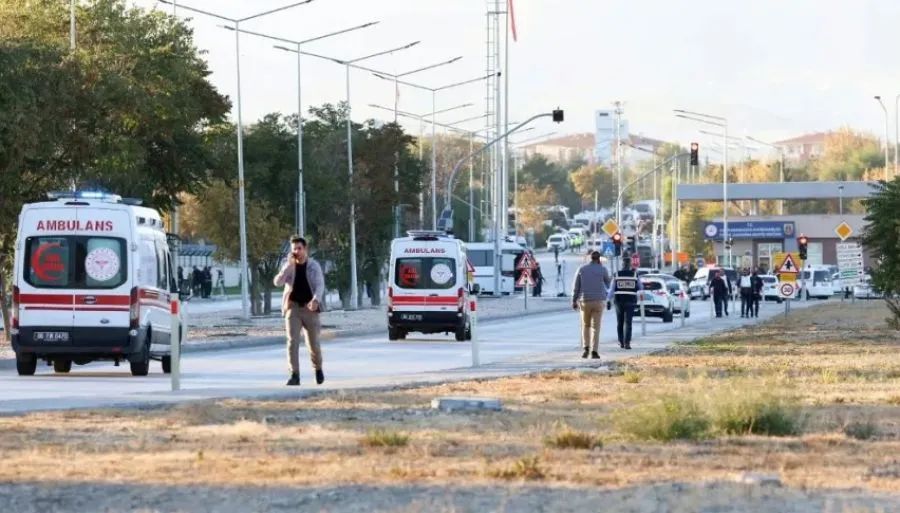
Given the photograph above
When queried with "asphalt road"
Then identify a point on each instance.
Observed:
(352, 362)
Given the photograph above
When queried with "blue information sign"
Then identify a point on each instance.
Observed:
(751, 230)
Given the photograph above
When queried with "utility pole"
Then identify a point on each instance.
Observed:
(618, 153)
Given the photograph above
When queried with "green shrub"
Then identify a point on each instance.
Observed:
(755, 413)
(384, 438)
(671, 417)
(571, 439)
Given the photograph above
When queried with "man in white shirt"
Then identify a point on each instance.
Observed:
(746, 287)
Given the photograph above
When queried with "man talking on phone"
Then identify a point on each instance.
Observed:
(304, 287)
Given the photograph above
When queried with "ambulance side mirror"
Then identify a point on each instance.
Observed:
(475, 289)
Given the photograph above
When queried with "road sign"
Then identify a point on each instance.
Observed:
(787, 263)
(635, 260)
(850, 263)
(608, 248)
(786, 290)
(610, 227)
(526, 263)
(525, 279)
(843, 230)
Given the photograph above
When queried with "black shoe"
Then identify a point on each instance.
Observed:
(584, 354)
(595, 355)
(622, 344)
(627, 345)
(320, 377)
(294, 380)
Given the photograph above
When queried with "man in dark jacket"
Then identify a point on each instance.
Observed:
(721, 290)
(757, 287)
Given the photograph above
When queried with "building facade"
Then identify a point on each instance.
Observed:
(564, 149)
(761, 237)
(800, 150)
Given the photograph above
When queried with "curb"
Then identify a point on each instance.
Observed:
(329, 335)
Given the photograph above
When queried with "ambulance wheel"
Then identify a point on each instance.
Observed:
(166, 364)
(142, 366)
(26, 364)
(461, 333)
(62, 366)
(667, 316)
(393, 333)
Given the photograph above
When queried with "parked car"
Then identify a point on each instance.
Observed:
(658, 302)
(679, 292)
(558, 240)
(770, 288)
(865, 290)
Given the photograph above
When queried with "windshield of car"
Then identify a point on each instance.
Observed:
(674, 287)
(769, 279)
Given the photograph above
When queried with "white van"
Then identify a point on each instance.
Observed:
(815, 280)
(428, 288)
(93, 280)
(481, 254)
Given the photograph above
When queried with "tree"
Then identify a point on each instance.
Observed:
(122, 112)
(590, 178)
(541, 173)
(215, 210)
(691, 224)
(848, 155)
(532, 204)
(882, 239)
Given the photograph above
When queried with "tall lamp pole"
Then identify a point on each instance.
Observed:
(348, 65)
(780, 167)
(242, 206)
(301, 197)
(434, 91)
(887, 136)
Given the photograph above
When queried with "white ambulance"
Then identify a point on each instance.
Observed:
(93, 280)
(428, 286)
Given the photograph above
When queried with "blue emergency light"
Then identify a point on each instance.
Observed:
(92, 195)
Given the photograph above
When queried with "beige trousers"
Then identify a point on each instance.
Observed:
(301, 321)
(591, 315)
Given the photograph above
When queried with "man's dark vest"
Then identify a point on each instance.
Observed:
(626, 287)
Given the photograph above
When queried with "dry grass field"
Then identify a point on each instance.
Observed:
(814, 399)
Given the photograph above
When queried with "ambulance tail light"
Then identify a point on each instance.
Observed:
(460, 299)
(135, 310)
(14, 316)
(390, 299)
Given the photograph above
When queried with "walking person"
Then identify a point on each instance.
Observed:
(304, 288)
(624, 291)
(589, 292)
(746, 291)
(756, 284)
(721, 289)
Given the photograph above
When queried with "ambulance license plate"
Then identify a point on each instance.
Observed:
(51, 336)
(410, 317)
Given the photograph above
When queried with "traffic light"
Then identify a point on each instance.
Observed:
(632, 244)
(695, 154)
(617, 242)
(802, 241)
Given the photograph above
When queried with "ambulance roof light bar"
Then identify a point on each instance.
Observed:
(95, 195)
(426, 234)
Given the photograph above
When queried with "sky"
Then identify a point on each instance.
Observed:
(773, 68)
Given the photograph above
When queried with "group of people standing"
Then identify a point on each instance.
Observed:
(750, 287)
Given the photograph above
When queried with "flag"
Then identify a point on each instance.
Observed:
(512, 19)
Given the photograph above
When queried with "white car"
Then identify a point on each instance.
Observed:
(559, 241)
(865, 290)
(680, 295)
(658, 302)
(770, 288)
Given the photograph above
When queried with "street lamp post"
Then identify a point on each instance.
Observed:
(348, 64)
(780, 167)
(434, 91)
(841, 201)
(896, 132)
(242, 207)
(395, 78)
(886, 135)
(723, 124)
(301, 196)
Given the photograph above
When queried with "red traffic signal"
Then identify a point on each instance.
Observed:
(802, 240)
(617, 238)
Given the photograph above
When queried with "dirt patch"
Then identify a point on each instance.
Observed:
(813, 400)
